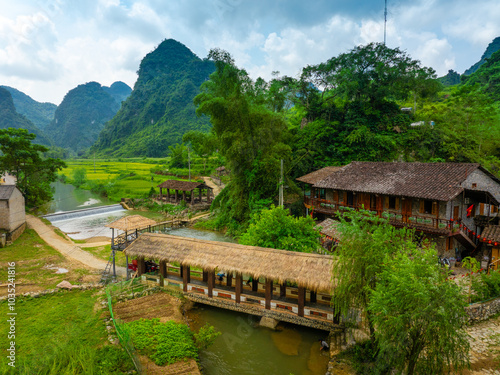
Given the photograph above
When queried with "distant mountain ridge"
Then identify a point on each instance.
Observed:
(160, 109)
(10, 118)
(490, 50)
(40, 114)
(83, 112)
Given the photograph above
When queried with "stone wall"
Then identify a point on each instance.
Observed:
(482, 311)
(16, 233)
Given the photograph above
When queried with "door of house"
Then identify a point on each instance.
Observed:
(406, 209)
(495, 253)
(456, 213)
(379, 205)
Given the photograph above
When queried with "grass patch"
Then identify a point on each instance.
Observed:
(62, 334)
(104, 252)
(31, 254)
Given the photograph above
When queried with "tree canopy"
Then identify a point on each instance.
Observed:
(276, 228)
(250, 137)
(23, 159)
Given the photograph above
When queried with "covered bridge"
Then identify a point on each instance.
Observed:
(185, 187)
(302, 281)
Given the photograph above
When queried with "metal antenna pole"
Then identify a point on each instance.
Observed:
(385, 21)
(281, 186)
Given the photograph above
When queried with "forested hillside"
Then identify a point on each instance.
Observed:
(82, 114)
(9, 118)
(40, 114)
(160, 109)
(490, 50)
(373, 103)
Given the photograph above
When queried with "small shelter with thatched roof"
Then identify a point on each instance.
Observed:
(130, 225)
(330, 235)
(185, 187)
(311, 272)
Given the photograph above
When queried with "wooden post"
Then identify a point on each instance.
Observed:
(255, 284)
(168, 195)
(185, 278)
(176, 195)
(126, 259)
(283, 290)
(141, 267)
(313, 298)
(163, 271)
(238, 287)
(161, 194)
(205, 276)
(184, 196)
(192, 196)
(211, 283)
(229, 279)
(112, 238)
(269, 293)
(200, 191)
(301, 300)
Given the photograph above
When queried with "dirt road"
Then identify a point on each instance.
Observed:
(67, 248)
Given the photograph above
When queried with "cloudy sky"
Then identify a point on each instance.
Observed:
(48, 47)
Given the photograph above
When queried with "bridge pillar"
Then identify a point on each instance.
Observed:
(269, 293)
(301, 300)
(238, 287)
(283, 290)
(211, 283)
(186, 277)
(141, 267)
(313, 298)
(163, 271)
(255, 284)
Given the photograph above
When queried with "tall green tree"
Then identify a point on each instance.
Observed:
(365, 243)
(419, 315)
(250, 137)
(276, 228)
(23, 159)
(178, 156)
(204, 144)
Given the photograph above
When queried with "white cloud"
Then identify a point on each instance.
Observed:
(49, 47)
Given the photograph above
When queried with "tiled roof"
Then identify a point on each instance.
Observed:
(492, 233)
(328, 227)
(318, 175)
(6, 191)
(182, 185)
(436, 181)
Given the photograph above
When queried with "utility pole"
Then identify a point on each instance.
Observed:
(385, 21)
(94, 161)
(189, 165)
(281, 186)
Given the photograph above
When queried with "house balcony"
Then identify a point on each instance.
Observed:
(424, 223)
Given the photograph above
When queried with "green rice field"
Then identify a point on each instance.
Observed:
(133, 178)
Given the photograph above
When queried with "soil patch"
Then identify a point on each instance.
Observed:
(159, 305)
(188, 367)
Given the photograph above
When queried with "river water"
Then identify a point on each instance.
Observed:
(244, 347)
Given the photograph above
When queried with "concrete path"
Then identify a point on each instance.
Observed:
(67, 248)
(216, 188)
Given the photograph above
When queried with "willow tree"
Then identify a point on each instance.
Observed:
(249, 135)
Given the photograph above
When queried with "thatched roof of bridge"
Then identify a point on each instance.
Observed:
(312, 271)
(133, 222)
(183, 185)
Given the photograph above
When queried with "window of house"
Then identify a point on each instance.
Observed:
(322, 193)
(350, 198)
(428, 207)
(392, 203)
